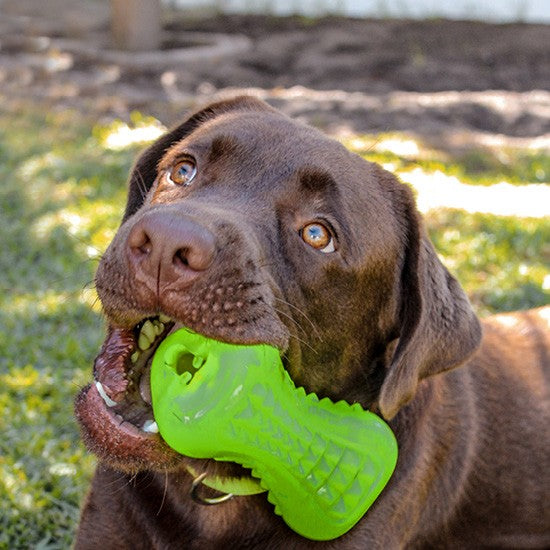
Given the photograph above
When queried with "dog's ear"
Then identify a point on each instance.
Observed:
(144, 171)
(438, 329)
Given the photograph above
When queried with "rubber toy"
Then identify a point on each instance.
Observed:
(322, 463)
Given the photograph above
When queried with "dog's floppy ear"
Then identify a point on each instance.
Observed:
(144, 171)
(438, 328)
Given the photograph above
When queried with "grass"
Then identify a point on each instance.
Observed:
(55, 174)
(474, 166)
(61, 197)
(502, 262)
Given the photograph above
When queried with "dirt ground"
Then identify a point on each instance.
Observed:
(454, 83)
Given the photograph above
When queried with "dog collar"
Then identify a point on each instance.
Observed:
(323, 464)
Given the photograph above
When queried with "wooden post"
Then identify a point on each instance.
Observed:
(136, 24)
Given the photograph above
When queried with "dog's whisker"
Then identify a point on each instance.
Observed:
(142, 185)
(133, 478)
(164, 492)
(298, 326)
(90, 285)
(80, 240)
(373, 145)
(290, 318)
(96, 300)
(303, 314)
(125, 482)
(142, 478)
(302, 341)
(121, 483)
(146, 481)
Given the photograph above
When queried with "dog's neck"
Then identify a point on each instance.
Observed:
(167, 502)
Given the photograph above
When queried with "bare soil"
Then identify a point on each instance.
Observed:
(450, 82)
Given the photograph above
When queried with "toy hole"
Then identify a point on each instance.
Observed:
(184, 363)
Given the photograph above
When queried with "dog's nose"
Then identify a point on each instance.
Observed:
(164, 249)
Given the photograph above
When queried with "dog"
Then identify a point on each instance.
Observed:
(248, 227)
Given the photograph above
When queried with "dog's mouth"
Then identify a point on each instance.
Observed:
(115, 411)
(122, 371)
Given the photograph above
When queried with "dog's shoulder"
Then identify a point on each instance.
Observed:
(515, 353)
(520, 332)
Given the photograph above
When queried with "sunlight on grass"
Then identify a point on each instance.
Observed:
(43, 466)
(502, 262)
(120, 135)
(19, 378)
(74, 223)
(125, 136)
(437, 190)
(483, 165)
(49, 302)
(396, 144)
(80, 224)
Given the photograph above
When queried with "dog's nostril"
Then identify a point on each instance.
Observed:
(180, 257)
(139, 242)
(197, 256)
(146, 247)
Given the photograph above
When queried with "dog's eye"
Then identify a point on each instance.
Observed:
(318, 236)
(183, 172)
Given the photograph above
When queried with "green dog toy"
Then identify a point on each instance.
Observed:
(322, 463)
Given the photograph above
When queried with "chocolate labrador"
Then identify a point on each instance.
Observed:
(248, 227)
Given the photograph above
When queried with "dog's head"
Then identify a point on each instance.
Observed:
(250, 228)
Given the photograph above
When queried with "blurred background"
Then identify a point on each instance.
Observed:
(453, 96)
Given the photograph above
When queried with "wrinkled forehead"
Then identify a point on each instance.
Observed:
(263, 138)
(272, 152)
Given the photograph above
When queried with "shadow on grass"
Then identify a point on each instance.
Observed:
(57, 213)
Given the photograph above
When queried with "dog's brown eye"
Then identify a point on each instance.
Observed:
(318, 236)
(183, 172)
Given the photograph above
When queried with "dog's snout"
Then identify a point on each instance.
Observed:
(166, 249)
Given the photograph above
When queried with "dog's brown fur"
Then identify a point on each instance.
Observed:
(380, 322)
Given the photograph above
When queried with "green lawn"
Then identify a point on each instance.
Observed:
(61, 196)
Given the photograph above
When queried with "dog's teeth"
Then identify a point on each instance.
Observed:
(108, 401)
(159, 328)
(149, 330)
(144, 342)
(145, 389)
(135, 356)
(164, 318)
(150, 426)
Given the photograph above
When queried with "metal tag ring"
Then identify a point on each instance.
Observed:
(197, 482)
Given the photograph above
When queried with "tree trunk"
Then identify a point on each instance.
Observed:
(136, 24)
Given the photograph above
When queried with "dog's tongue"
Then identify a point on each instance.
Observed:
(323, 463)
